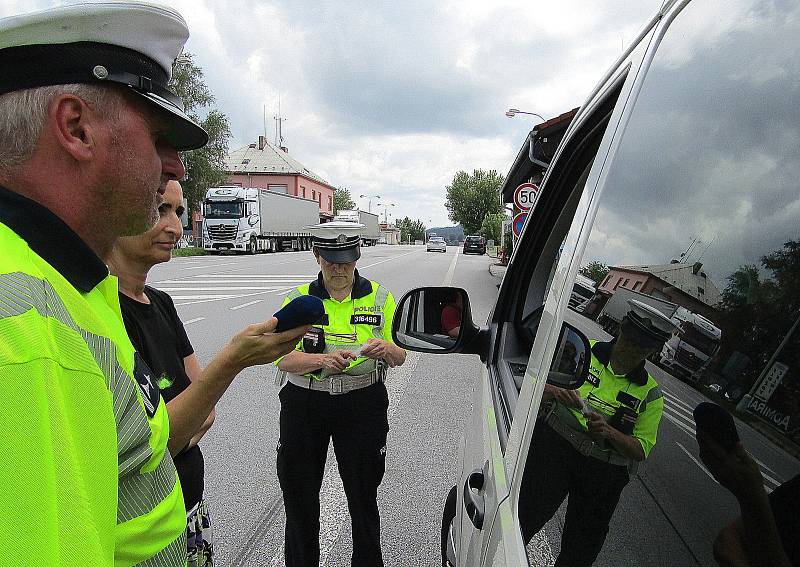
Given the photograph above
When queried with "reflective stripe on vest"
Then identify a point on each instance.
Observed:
(140, 491)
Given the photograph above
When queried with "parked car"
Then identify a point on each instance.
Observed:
(437, 244)
(474, 245)
(691, 134)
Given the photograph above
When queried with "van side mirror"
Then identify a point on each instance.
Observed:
(570, 366)
(437, 320)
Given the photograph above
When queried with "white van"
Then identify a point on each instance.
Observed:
(694, 133)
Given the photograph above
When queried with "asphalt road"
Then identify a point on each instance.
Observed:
(668, 514)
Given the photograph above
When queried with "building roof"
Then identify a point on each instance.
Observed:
(269, 160)
(689, 278)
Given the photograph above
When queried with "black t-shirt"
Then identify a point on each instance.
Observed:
(158, 335)
(785, 502)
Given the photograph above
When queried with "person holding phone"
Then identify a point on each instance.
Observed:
(190, 392)
(766, 532)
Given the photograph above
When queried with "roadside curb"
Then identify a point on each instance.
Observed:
(776, 438)
(499, 270)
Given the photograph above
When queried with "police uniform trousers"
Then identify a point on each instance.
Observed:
(553, 471)
(358, 424)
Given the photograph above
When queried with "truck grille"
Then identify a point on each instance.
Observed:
(222, 232)
(688, 359)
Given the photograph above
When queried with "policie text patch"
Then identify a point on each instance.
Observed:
(365, 319)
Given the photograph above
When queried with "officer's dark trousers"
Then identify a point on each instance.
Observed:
(553, 471)
(357, 422)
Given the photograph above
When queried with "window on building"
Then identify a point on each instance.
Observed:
(701, 291)
(313, 194)
(330, 203)
(303, 189)
(625, 283)
(608, 277)
(637, 285)
(616, 285)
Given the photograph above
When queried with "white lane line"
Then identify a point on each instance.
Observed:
(678, 401)
(687, 430)
(390, 259)
(448, 279)
(190, 321)
(213, 298)
(210, 266)
(689, 423)
(333, 503)
(763, 466)
(226, 288)
(293, 277)
(698, 463)
(210, 296)
(233, 282)
(248, 304)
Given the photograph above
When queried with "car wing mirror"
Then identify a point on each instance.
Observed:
(438, 320)
(570, 366)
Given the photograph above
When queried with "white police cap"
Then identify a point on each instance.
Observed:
(127, 43)
(650, 320)
(338, 242)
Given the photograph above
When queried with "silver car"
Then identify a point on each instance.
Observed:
(437, 244)
(680, 171)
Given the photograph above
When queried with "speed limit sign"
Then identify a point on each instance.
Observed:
(525, 196)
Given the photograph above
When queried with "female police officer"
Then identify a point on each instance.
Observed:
(584, 445)
(335, 390)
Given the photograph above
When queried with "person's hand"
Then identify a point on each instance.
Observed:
(735, 469)
(379, 349)
(570, 398)
(337, 360)
(598, 427)
(259, 344)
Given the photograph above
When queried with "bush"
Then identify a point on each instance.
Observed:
(190, 251)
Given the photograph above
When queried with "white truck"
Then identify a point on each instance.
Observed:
(583, 291)
(687, 353)
(242, 219)
(371, 231)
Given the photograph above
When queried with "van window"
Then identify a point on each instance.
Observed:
(701, 202)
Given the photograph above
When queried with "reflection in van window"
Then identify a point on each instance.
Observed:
(701, 209)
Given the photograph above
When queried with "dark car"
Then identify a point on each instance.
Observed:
(475, 244)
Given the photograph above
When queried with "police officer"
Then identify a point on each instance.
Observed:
(335, 390)
(89, 138)
(588, 440)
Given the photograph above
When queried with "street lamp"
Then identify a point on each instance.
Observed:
(511, 112)
(385, 205)
(369, 201)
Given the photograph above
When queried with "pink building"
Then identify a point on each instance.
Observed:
(687, 285)
(263, 165)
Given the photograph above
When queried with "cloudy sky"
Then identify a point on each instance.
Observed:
(393, 98)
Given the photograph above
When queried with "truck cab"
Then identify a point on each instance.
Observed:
(231, 219)
(690, 351)
(692, 132)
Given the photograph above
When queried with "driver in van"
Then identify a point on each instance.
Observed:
(587, 441)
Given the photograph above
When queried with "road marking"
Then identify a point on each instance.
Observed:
(292, 277)
(681, 416)
(390, 259)
(232, 282)
(678, 401)
(209, 297)
(190, 321)
(226, 288)
(698, 463)
(232, 296)
(210, 266)
(248, 304)
(448, 279)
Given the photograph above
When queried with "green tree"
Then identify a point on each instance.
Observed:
(411, 229)
(205, 167)
(594, 270)
(471, 197)
(342, 200)
(492, 226)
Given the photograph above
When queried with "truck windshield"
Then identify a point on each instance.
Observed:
(583, 291)
(222, 210)
(698, 340)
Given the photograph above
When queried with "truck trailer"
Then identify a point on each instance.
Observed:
(689, 352)
(251, 220)
(371, 231)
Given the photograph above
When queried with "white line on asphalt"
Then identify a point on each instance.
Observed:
(682, 416)
(209, 297)
(293, 277)
(448, 279)
(689, 431)
(210, 266)
(678, 401)
(390, 259)
(698, 463)
(239, 296)
(226, 288)
(232, 282)
(248, 304)
(190, 321)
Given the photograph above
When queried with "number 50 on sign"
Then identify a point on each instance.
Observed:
(525, 196)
